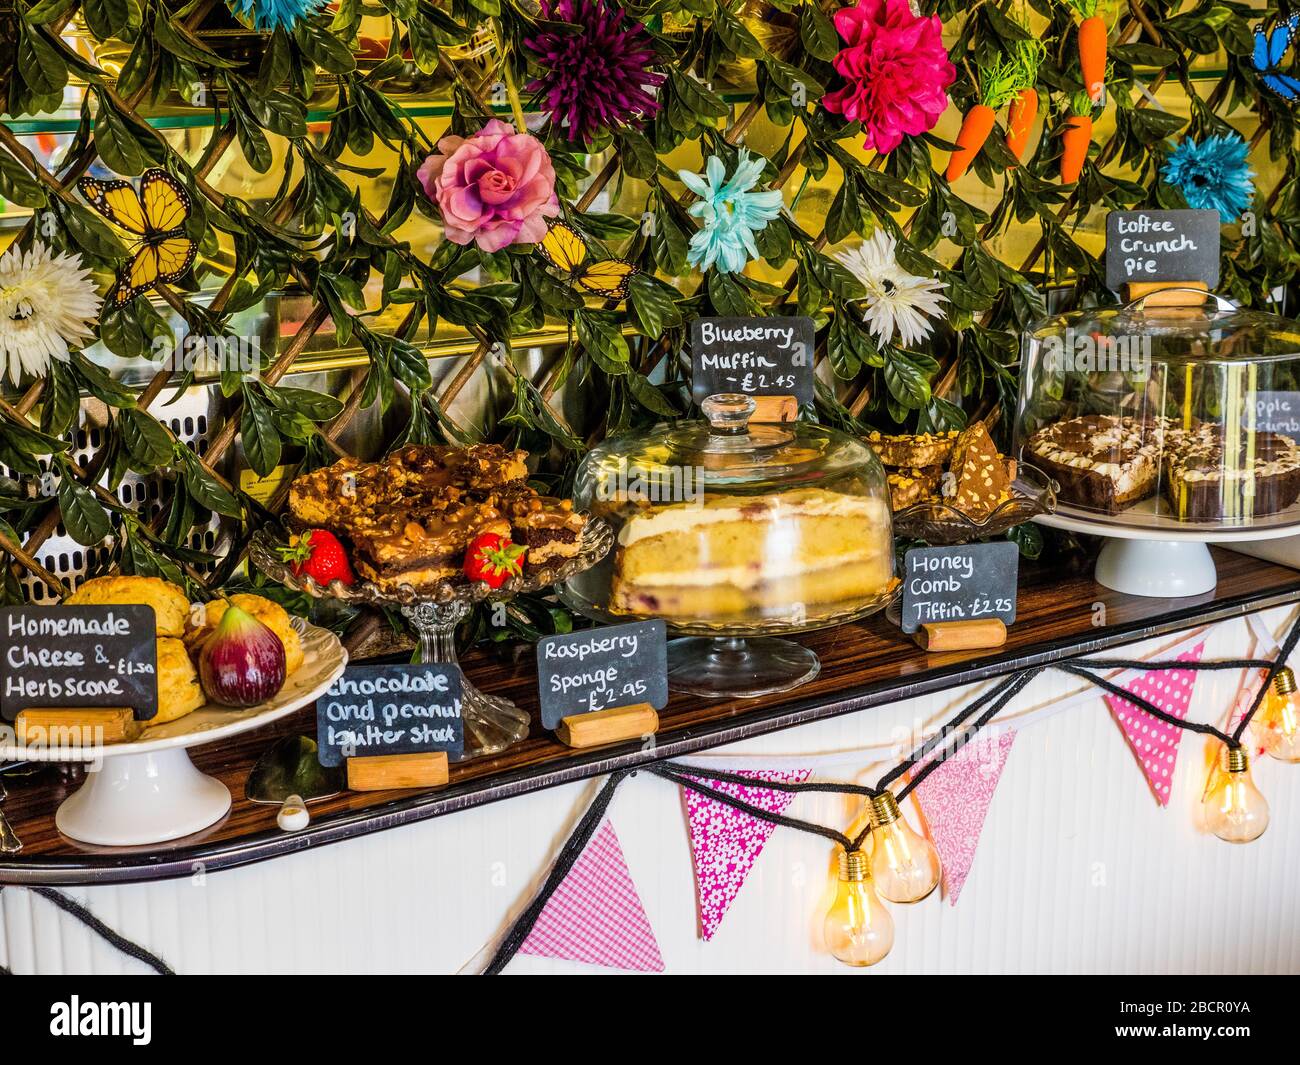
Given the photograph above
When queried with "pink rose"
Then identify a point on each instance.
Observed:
(896, 71)
(496, 188)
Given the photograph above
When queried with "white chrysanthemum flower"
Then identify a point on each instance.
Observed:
(48, 306)
(896, 301)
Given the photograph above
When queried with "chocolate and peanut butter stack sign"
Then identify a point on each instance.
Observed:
(755, 356)
(79, 657)
(972, 582)
(602, 669)
(397, 709)
(1162, 246)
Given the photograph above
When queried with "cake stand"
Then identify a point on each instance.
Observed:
(1149, 552)
(491, 722)
(148, 791)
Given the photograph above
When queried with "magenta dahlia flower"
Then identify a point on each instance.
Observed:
(896, 71)
(495, 188)
(594, 73)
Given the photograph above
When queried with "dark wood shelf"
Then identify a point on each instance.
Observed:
(863, 665)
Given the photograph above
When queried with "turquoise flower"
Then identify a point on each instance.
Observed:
(1212, 175)
(730, 212)
(266, 15)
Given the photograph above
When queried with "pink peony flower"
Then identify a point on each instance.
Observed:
(896, 69)
(496, 188)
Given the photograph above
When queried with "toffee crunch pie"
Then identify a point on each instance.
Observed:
(410, 517)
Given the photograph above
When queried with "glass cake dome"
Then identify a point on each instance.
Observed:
(729, 530)
(1165, 418)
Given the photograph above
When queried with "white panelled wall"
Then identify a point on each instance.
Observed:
(1078, 870)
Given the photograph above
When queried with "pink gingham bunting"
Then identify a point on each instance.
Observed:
(595, 915)
(726, 842)
(1155, 742)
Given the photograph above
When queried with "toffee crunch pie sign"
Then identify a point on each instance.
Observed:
(79, 657)
(754, 356)
(972, 582)
(1162, 246)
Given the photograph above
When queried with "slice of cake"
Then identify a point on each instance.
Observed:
(912, 451)
(1203, 482)
(789, 557)
(908, 487)
(979, 475)
(1101, 462)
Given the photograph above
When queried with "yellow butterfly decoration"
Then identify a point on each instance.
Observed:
(565, 250)
(155, 216)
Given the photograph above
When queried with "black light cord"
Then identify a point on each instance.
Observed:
(71, 906)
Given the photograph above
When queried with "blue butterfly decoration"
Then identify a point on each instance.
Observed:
(1270, 50)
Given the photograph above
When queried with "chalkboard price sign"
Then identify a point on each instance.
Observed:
(755, 356)
(602, 669)
(1277, 412)
(1162, 246)
(79, 657)
(393, 709)
(973, 582)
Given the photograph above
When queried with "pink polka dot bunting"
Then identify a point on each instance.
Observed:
(1154, 742)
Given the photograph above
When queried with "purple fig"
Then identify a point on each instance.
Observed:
(242, 662)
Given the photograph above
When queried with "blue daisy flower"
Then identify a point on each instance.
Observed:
(267, 15)
(1212, 175)
(730, 212)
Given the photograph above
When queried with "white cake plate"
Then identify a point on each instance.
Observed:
(1149, 554)
(149, 791)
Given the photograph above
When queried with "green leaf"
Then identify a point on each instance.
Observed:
(147, 443)
(205, 490)
(653, 304)
(317, 406)
(601, 339)
(650, 397)
(18, 185)
(260, 438)
(817, 32)
(83, 516)
(636, 154)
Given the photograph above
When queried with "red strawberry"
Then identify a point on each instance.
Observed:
(320, 556)
(491, 558)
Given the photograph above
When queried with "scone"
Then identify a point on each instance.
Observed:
(205, 617)
(171, 606)
(179, 691)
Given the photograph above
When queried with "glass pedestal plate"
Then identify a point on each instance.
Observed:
(491, 723)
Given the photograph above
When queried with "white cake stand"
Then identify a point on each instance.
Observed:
(149, 791)
(1149, 552)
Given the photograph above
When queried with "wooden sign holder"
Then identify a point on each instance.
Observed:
(1165, 294)
(775, 409)
(961, 635)
(607, 726)
(384, 772)
(37, 723)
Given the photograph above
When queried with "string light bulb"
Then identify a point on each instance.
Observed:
(1276, 724)
(904, 863)
(1235, 810)
(858, 928)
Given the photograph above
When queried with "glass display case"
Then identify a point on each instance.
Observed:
(1172, 423)
(730, 530)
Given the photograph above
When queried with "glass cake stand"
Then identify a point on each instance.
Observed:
(491, 722)
(936, 522)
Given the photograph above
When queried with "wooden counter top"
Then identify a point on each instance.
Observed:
(863, 664)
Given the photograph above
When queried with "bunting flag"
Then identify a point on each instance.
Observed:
(1155, 742)
(954, 801)
(726, 842)
(1250, 684)
(595, 915)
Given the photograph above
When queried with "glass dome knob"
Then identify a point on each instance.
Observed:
(728, 412)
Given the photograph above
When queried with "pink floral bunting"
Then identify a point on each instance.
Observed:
(726, 842)
(955, 799)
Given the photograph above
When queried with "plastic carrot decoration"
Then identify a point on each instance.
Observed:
(997, 85)
(1076, 139)
(1023, 108)
(1092, 49)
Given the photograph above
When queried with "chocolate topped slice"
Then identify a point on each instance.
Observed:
(1101, 462)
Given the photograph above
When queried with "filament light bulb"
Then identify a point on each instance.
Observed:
(858, 928)
(1235, 810)
(904, 863)
(1276, 724)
